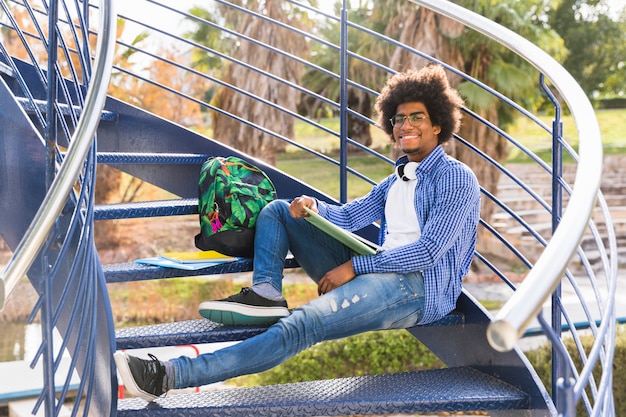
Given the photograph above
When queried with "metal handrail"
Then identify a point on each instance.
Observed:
(81, 142)
(518, 312)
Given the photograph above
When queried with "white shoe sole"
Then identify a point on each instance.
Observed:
(245, 309)
(127, 377)
(236, 314)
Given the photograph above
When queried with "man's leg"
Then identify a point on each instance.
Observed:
(369, 302)
(276, 233)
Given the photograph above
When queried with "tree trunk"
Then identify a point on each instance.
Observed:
(239, 135)
(359, 129)
(493, 145)
(430, 33)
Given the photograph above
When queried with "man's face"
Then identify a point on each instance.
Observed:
(413, 131)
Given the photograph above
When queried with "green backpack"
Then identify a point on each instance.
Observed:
(231, 193)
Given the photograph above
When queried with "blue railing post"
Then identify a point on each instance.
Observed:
(51, 134)
(566, 405)
(558, 365)
(343, 103)
(86, 49)
(48, 396)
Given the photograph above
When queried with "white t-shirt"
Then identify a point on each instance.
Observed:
(402, 224)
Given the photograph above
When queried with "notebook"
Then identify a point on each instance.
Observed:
(355, 242)
(193, 257)
(191, 261)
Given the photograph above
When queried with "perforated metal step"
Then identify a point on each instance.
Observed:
(41, 105)
(200, 331)
(189, 332)
(442, 390)
(131, 271)
(156, 208)
(122, 158)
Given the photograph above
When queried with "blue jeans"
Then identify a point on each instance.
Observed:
(368, 302)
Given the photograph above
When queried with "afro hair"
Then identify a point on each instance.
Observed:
(429, 86)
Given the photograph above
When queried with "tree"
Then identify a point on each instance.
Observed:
(228, 129)
(359, 100)
(596, 45)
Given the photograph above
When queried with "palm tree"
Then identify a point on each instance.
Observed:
(426, 31)
(231, 131)
(359, 43)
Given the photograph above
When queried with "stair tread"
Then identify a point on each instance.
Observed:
(131, 271)
(155, 208)
(449, 389)
(120, 158)
(182, 333)
(199, 331)
(29, 106)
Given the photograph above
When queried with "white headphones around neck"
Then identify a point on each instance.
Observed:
(406, 172)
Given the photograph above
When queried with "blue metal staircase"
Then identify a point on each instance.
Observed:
(485, 370)
(468, 389)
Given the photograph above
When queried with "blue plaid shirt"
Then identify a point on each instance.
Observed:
(447, 203)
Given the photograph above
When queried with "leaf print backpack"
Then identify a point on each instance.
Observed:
(231, 193)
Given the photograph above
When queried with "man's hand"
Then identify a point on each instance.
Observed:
(296, 208)
(336, 278)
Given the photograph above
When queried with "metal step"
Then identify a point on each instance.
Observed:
(442, 390)
(192, 332)
(189, 332)
(130, 271)
(120, 158)
(140, 209)
(42, 105)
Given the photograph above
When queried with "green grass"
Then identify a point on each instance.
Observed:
(323, 175)
(612, 124)
(324, 142)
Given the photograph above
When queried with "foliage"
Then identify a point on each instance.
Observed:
(168, 300)
(266, 24)
(499, 67)
(369, 353)
(540, 360)
(164, 74)
(596, 44)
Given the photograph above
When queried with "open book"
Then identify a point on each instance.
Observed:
(355, 242)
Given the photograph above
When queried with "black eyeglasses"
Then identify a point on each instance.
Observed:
(415, 119)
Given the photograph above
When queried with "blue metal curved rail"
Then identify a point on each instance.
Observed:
(66, 268)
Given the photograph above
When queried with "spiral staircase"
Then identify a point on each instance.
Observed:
(53, 139)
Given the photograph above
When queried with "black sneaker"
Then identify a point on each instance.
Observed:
(142, 377)
(244, 309)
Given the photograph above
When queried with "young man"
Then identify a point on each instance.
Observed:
(429, 211)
